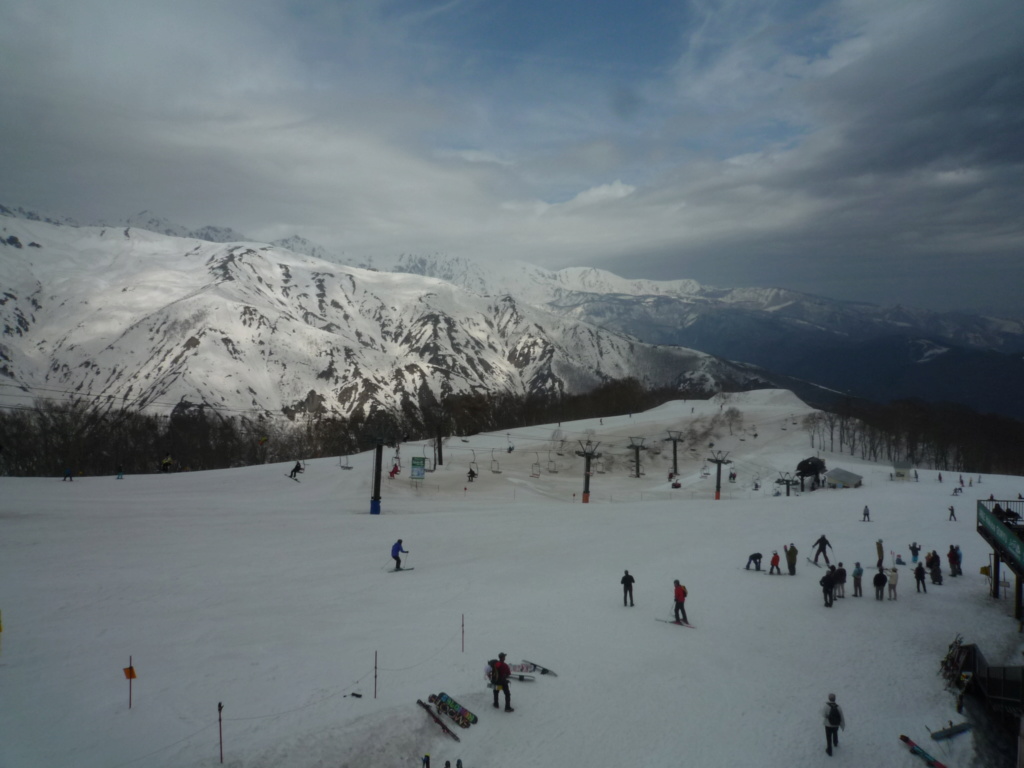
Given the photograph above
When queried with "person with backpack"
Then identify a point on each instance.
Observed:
(500, 674)
(627, 582)
(858, 574)
(834, 719)
(828, 585)
(396, 551)
(880, 581)
(680, 595)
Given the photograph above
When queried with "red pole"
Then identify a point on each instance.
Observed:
(129, 684)
(220, 728)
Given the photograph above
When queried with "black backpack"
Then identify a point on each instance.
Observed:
(834, 718)
(495, 677)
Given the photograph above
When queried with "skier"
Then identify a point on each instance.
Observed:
(627, 582)
(775, 563)
(828, 583)
(500, 674)
(952, 513)
(756, 560)
(894, 577)
(919, 578)
(879, 582)
(832, 714)
(881, 553)
(790, 558)
(840, 589)
(866, 518)
(396, 550)
(821, 544)
(680, 598)
(858, 574)
(295, 470)
(915, 548)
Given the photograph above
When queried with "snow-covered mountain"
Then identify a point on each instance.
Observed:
(134, 317)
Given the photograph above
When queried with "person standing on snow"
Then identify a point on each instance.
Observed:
(828, 583)
(858, 574)
(951, 557)
(396, 551)
(914, 548)
(500, 673)
(894, 577)
(627, 588)
(840, 590)
(952, 513)
(775, 563)
(821, 544)
(790, 558)
(832, 714)
(879, 582)
(919, 578)
(680, 598)
(867, 515)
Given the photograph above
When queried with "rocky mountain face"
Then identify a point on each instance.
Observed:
(128, 316)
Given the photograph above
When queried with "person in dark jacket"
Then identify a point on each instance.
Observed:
(499, 680)
(880, 581)
(832, 714)
(919, 578)
(680, 594)
(295, 470)
(627, 582)
(828, 584)
(840, 590)
(821, 544)
(396, 552)
(756, 560)
(915, 549)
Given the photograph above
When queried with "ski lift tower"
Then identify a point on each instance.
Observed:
(588, 452)
(675, 435)
(637, 444)
(719, 458)
(378, 460)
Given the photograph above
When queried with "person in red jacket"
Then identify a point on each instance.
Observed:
(500, 674)
(680, 595)
(775, 564)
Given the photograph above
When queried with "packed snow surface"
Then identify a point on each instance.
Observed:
(277, 599)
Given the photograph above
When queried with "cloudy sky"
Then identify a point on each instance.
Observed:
(861, 149)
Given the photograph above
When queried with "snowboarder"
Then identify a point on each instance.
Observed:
(828, 583)
(832, 714)
(821, 544)
(840, 588)
(952, 513)
(756, 560)
(866, 518)
(879, 582)
(295, 470)
(919, 578)
(881, 553)
(894, 577)
(396, 551)
(120, 472)
(68, 476)
(627, 582)
(915, 548)
(775, 563)
(680, 598)
(790, 558)
(858, 574)
(500, 674)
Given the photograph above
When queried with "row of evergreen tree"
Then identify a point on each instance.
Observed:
(51, 437)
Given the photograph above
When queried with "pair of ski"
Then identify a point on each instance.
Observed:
(438, 720)
(677, 623)
(930, 761)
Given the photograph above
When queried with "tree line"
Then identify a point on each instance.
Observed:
(51, 437)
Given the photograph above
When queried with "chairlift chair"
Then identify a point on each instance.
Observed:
(495, 466)
(535, 469)
(429, 463)
(346, 465)
(473, 467)
(552, 465)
